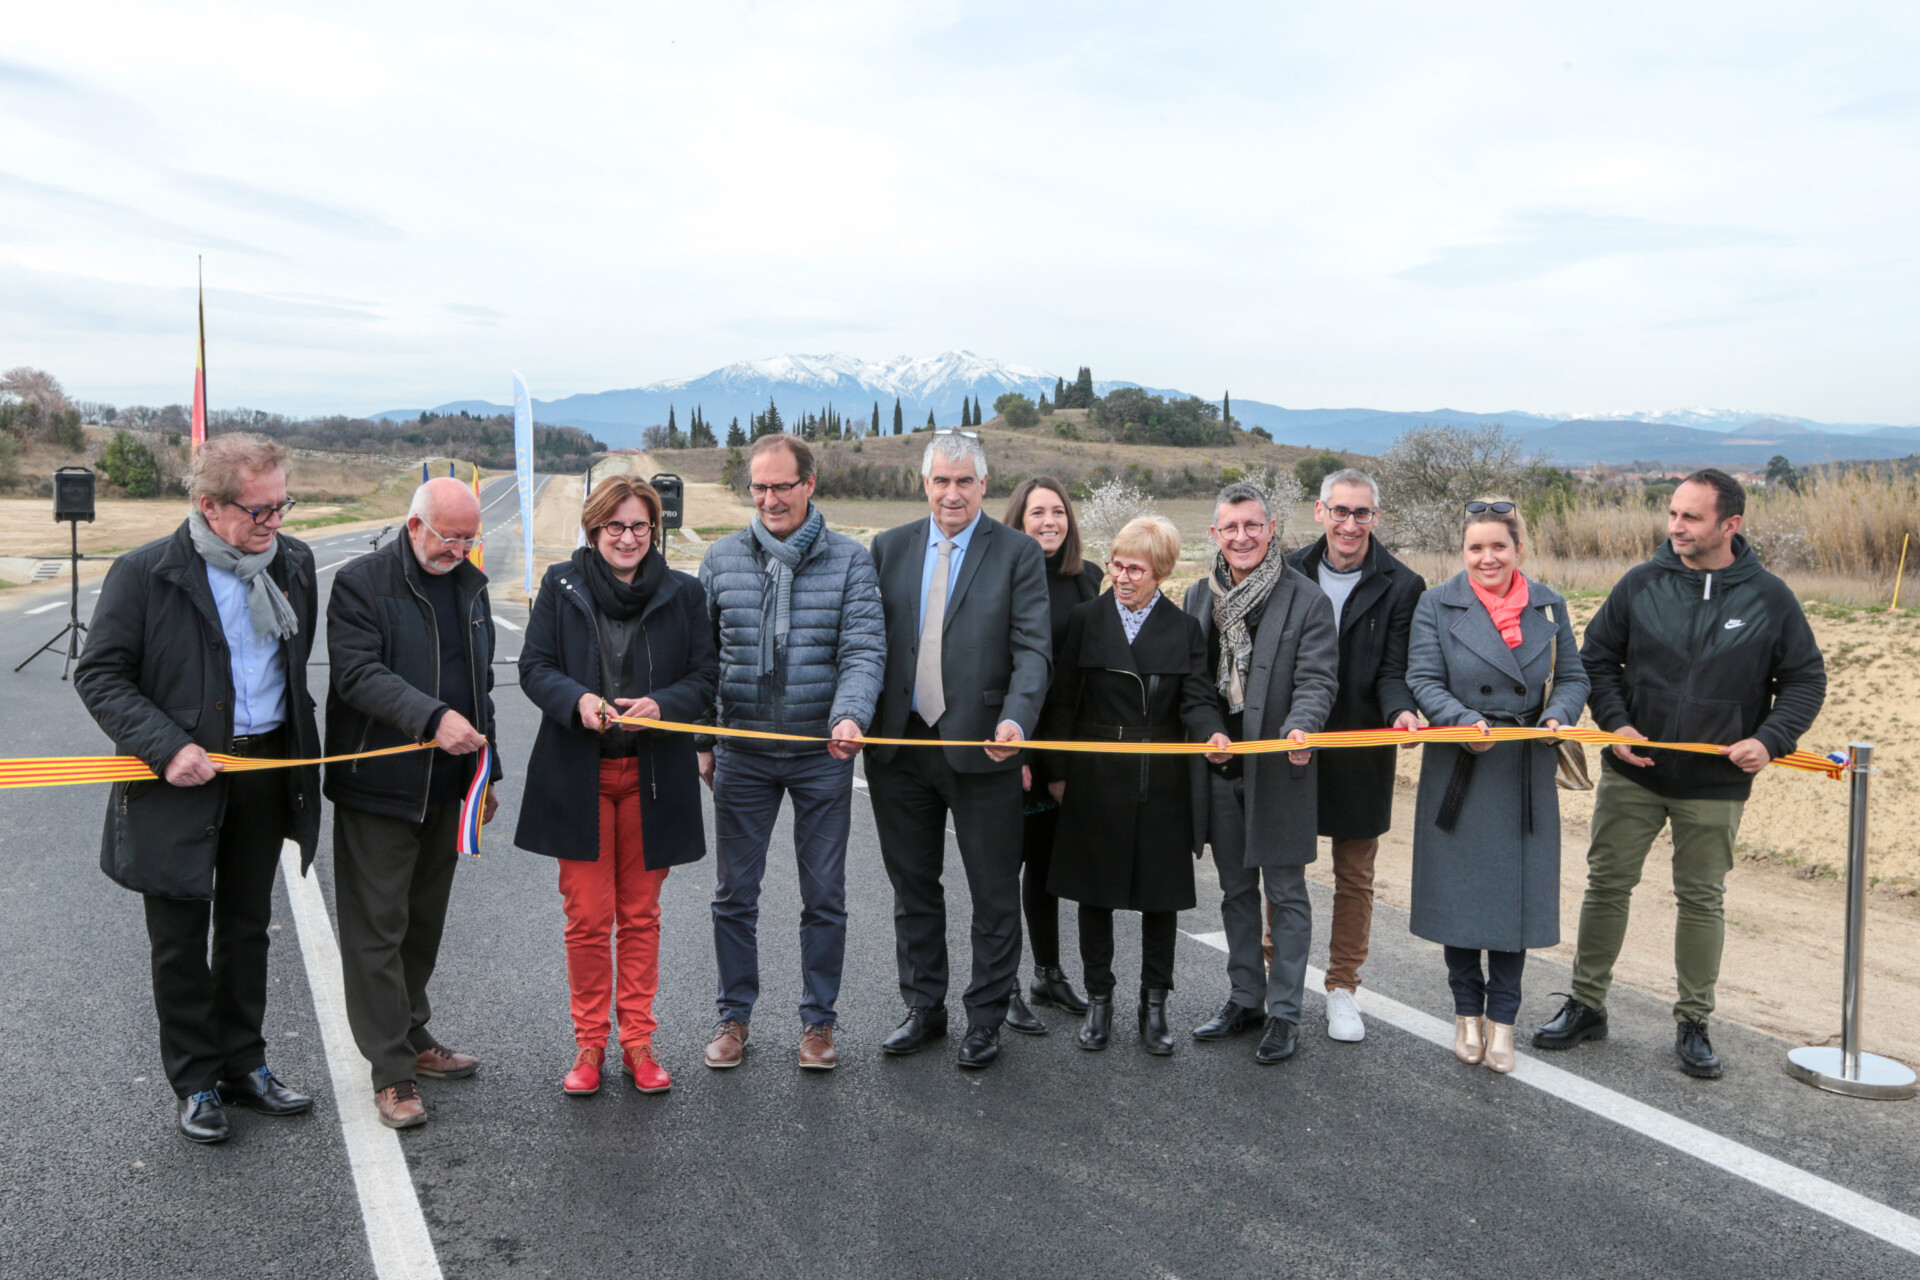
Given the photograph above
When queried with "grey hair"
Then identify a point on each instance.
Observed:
(1243, 491)
(1349, 475)
(951, 444)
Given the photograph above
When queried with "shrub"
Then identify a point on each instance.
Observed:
(1314, 468)
(1017, 409)
(130, 464)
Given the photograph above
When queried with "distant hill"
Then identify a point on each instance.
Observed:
(800, 383)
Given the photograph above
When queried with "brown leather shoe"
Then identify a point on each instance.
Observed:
(728, 1046)
(816, 1048)
(442, 1063)
(400, 1105)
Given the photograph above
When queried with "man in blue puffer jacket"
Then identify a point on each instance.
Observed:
(796, 614)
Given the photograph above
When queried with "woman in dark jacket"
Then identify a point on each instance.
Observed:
(1486, 833)
(615, 632)
(1040, 509)
(1132, 668)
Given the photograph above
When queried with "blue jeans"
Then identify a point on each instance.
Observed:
(747, 789)
(1494, 993)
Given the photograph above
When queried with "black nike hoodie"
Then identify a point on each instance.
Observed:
(1689, 656)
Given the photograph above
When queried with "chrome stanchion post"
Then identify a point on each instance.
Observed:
(1848, 1069)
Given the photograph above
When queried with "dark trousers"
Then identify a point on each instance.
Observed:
(211, 1009)
(1042, 908)
(391, 882)
(912, 795)
(747, 788)
(1158, 932)
(1495, 993)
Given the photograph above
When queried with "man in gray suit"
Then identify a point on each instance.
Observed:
(1274, 654)
(969, 655)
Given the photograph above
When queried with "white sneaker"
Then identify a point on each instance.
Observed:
(1343, 1017)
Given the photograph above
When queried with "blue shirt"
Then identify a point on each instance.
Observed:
(934, 538)
(259, 683)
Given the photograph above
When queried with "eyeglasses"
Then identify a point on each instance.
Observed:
(460, 544)
(263, 514)
(639, 529)
(1251, 529)
(1131, 572)
(1481, 508)
(783, 489)
(1359, 515)
(956, 431)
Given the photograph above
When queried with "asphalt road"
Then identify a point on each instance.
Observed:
(1382, 1159)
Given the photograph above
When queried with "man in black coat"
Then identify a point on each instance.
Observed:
(969, 654)
(1373, 596)
(199, 644)
(1699, 644)
(410, 641)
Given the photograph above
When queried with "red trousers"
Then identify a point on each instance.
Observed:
(616, 891)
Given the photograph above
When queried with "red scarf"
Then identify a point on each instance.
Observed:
(1505, 613)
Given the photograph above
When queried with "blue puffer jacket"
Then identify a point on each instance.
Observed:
(836, 640)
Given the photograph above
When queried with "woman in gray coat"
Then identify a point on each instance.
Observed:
(1486, 844)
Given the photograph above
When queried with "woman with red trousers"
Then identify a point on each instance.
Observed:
(614, 632)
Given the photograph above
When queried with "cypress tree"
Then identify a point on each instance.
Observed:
(931, 424)
(876, 418)
(899, 422)
(1083, 388)
(976, 409)
(735, 436)
(1060, 391)
(1226, 407)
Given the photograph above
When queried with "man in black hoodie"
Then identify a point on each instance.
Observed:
(1700, 644)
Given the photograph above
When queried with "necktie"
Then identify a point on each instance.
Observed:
(929, 695)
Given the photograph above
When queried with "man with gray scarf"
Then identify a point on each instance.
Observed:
(199, 647)
(797, 619)
(1274, 654)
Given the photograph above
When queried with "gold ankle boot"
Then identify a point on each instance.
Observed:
(1467, 1043)
(1500, 1046)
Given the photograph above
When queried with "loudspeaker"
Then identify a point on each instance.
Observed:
(671, 494)
(73, 494)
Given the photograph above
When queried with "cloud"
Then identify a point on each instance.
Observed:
(1877, 106)
(122, 217)
(1532, 245)
(245, 197)
(473, 312)
(68, 109)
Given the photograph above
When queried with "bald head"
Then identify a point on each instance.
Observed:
(442, 523)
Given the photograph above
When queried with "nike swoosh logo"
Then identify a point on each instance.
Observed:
(1734, 622)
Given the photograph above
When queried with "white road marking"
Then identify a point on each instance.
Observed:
(1796, 1184)
(396, 1230)
(335, 565)
(48, 607)
(499, 621)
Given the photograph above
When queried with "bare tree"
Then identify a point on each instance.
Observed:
(1428, 474)
(35, 387)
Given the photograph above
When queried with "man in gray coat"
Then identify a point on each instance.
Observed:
(969, 655)
(1273, 653)
(796, 615)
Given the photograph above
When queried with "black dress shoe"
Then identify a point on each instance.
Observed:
(981, 1046)
(1155, 1036)
(1575, 1022)
(202, 1118)
(259, 1091)
(1098, 1028)
(1021, 1019)
(1050, 986)
(1697, 1057)
(1230, 1021)
(1278, 1043)
(919, 1026)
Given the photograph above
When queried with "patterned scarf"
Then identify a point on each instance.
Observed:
(1231, 605)
(783, 557)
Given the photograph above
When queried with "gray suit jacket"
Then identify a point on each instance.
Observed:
(1291, 683)
(996, 647)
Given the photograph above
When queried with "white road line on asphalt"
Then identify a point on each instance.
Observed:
(1796, 1184)
(335, 565)
(499, 621)
(396, 1230)
(46, 607)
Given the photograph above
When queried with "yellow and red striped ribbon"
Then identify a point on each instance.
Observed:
(60, 771)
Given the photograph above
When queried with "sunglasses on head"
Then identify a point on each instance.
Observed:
(1498, 508)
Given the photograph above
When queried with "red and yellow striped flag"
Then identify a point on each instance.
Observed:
(200, 374)
(478, 554)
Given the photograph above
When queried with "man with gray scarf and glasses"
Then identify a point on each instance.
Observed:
(797, 620)
(199, 645)
(1274, 654)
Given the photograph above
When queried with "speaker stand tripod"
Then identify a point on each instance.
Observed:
(75, 629)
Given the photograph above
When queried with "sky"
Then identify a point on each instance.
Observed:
(1399, 206)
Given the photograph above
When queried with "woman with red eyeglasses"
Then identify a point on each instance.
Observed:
(614, 632)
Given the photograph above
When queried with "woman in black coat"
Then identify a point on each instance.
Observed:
(1132, 668)
(1040, 509)
(615, 632)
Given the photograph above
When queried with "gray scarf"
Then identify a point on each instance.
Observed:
(1231, 605)
(272, 614)
(783, 557)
